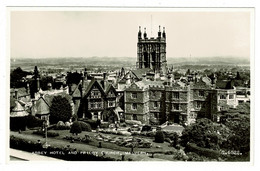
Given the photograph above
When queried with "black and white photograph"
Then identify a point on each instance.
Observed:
(130, 84)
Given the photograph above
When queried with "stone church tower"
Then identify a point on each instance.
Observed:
(151, 52)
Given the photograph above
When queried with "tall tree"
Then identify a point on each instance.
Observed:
(60, 109)
(204, 133)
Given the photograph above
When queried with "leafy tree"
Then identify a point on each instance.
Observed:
(60, 109)
(204, 133)
(159, 137)
(75, 128)
(16, 76)
(239, 124)
(73, 78)
(45, 81)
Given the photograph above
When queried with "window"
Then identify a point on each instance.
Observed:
(92, 105)
(156, 115)
(231, 96)
(176, 106)
(95, 94)
(223, 96)
(176, 95)
(134, 106)
(201, 93)
(134, 117)
(110, 104)
(199, 105)
(155, 104)
(134, 95)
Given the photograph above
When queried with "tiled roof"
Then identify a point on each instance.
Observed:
(139, 72)
(42, 106)
(18, 110)
(90, 85)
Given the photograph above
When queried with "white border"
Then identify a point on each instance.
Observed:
(114, 3)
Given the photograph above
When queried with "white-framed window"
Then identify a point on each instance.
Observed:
(134, 106)
(176, 95)
(222, 96)
(155, 104)
(231, 96)
(134, 95)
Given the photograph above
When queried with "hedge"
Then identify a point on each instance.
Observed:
(61, 127)
(191, 147)
(64, 153)
(49, 133)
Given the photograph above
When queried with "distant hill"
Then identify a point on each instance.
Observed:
(124, 61)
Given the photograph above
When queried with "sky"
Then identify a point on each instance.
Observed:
(113, 33)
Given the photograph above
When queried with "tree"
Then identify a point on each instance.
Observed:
(205, 133)
(60, 109)
(45, 81)
(75, 128)
(239, 138)
(16, 76)
(73, 78)
(159, 137)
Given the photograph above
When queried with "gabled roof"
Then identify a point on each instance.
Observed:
(42, 106)
(75, 90)
(91, 84)
(110, 87)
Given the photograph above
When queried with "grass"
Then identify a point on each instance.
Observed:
(139, 153)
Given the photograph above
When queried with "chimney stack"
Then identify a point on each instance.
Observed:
(16, 94)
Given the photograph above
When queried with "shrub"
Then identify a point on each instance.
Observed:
(60, 123)
(33, 121)
(191, 147)
(74, 118)
(18, 123)
(49, 133)
(159, 137)
(146, 128)
(123, 125)
(104, 125)
(75, 128)
(85, 126)
(61, 127)
(92, 123)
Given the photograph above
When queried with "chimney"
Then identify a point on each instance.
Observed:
(16, 94)
(38, 84)
(49, 85)
(28, 88)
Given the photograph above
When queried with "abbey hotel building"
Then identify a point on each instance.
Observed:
(150, 93)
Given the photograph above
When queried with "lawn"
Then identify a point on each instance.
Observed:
(112, 149)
